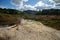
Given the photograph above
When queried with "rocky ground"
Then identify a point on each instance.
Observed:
(29, 30)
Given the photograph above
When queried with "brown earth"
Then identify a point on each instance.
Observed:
(29, 30)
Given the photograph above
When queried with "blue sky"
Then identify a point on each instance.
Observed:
(7, 4)
(30, 4)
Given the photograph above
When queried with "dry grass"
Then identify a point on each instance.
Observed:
(50, 20)
(8, 19)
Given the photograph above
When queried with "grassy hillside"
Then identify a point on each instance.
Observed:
(8, 19)
(48, 20)
(52, 21)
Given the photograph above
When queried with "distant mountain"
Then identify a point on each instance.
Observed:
(30, 11)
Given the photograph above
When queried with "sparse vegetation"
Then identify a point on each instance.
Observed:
(47, 17)
(54, 23)
(8, 19)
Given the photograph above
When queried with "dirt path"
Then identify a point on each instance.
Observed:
(30, 30)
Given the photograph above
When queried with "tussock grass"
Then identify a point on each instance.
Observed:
(8, 19)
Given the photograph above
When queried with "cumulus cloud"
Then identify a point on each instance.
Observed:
(21, 6)
(19, 3)
(39, 5)
(25, 0)
(30, 7)
(57, 1)
(58, 4)
(42, 4)
(16, 2)
(51, 1)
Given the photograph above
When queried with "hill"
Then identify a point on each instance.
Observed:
(11, 16)
(29, 30)
(23, 25)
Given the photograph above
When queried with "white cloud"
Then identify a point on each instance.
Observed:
(16, 2)
(21, 6)
(40, 4)
(25, 0)
(51, 1)
(57, 1)
(19, 3)
(57, 4)
(29, 7)
(44, 5)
